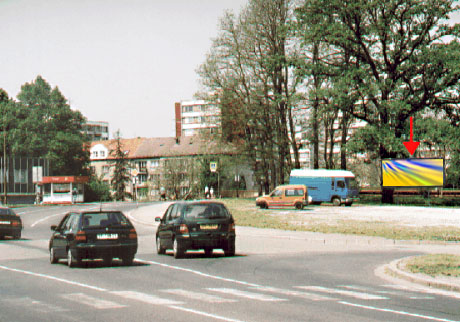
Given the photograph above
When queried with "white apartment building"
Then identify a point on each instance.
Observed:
(195, 117)
(97, 131)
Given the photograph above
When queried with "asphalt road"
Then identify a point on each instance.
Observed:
(305, 286)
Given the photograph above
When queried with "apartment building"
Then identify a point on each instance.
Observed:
(96, 131)
(196, 117)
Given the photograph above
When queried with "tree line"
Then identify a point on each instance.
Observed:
(380, 62)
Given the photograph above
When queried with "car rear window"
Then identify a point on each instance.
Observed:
(205, 211)
(104, 219)
(6, 211)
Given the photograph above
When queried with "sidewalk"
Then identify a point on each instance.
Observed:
(282, 241)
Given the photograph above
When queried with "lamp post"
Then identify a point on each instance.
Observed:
(4, 158)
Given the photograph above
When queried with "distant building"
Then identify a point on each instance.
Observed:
(196, 117)
(96, 131)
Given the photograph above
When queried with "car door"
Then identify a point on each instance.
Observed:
(341, 188)
(165, 228)
(58, 240)
(275, 198)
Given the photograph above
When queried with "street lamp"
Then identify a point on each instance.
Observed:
(4, 157)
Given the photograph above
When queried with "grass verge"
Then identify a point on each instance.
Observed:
(435, 265)
(247, 214)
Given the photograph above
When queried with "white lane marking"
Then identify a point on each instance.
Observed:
(91, 301)
(304, 295)
(248, 295)
(198, 296)
(209, 315)
(146, 298)
(35, 305)
(366, 289)
(358, 295)
(46, 218)
(426, 317)
(199, 273)
(53, 278)
(425, 290)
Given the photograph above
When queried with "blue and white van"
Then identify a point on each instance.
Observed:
(336, 186)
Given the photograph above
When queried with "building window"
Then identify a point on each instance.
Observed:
(102, 154)
(154, 163)
(95, 154)
(105, 169)
(142, 178)
(186, 109)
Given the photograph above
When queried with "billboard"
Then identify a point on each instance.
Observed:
(413, 173)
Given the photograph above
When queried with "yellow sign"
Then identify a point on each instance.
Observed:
(213, 166)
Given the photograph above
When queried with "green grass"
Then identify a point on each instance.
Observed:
(246, 213)
(435, 265)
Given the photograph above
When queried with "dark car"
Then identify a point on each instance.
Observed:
(194, 225)
(93, 235)
(10, 223)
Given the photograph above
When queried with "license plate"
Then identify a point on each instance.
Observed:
(209, 227)
(107, 236)
(3, 222)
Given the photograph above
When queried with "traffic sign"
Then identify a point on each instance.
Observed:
(213, 166)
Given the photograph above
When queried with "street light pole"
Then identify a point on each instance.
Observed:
(4, 159)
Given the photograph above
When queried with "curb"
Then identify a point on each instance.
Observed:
(394, 269)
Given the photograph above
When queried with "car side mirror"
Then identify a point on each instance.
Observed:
(53, 227)
(158, 219)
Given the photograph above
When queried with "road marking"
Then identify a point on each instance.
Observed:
(305, 295)
(248, 295)
(362, 288)
(209, 315)
(426, 317)
(91, 301)
(198, 296)
(358, 295)
(53, 278)
(34, 305)
(146, 298)
(199, 273)
(422, 289)
(46, 218)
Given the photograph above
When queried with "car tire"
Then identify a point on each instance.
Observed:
(299, 206)
(336, 201)
(160, 249)
(53, 258)
(230, 249)
(178, 249)
(127, 260)
(17, 235)
(208, 252)
(71, 260)
(263, 205)
(348, 204)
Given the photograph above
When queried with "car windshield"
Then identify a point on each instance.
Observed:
(205, 211)
(6, 211)
(104, 219)
(352, 183)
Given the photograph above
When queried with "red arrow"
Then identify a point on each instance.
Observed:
(411, 146)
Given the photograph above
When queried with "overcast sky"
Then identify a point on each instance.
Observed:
(121, 61)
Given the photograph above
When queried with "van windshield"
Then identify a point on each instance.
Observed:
(352, 183)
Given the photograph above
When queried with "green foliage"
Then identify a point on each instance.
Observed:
(97, 190)
(121, 172)
(41, 124)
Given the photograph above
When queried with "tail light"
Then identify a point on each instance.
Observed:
(132, 234)
(81, 236)
(183, 229)
(15, 223)
(231, 228)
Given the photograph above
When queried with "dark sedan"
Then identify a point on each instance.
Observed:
(10, 223)
(93, 235)
(194, 225)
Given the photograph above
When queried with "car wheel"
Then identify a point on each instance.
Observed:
(299, 206)
(178, 249)
(263, 205)
(160, 249)
(17, 235)
(71, 260)
(348, 204)
(336, 201)
(208, 252)
(127, 260)
(230, 249)
(53, 258)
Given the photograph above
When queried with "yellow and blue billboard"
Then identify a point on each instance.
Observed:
(413, 173)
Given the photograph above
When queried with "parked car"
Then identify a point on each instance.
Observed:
(194, 225)
(10, 223)
(285, 196)
(93, 235)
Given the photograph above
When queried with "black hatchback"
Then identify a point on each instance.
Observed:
(93, 235)
(194, 225)
(10, 223)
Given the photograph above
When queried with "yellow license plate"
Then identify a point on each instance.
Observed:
(209, 227)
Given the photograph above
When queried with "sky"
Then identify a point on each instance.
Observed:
(125, 62)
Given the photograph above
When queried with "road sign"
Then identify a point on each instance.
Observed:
(134, 172)
(213, 166)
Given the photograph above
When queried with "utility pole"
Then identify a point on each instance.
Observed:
(4, 159)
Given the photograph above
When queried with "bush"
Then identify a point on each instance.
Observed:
(97, 190)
